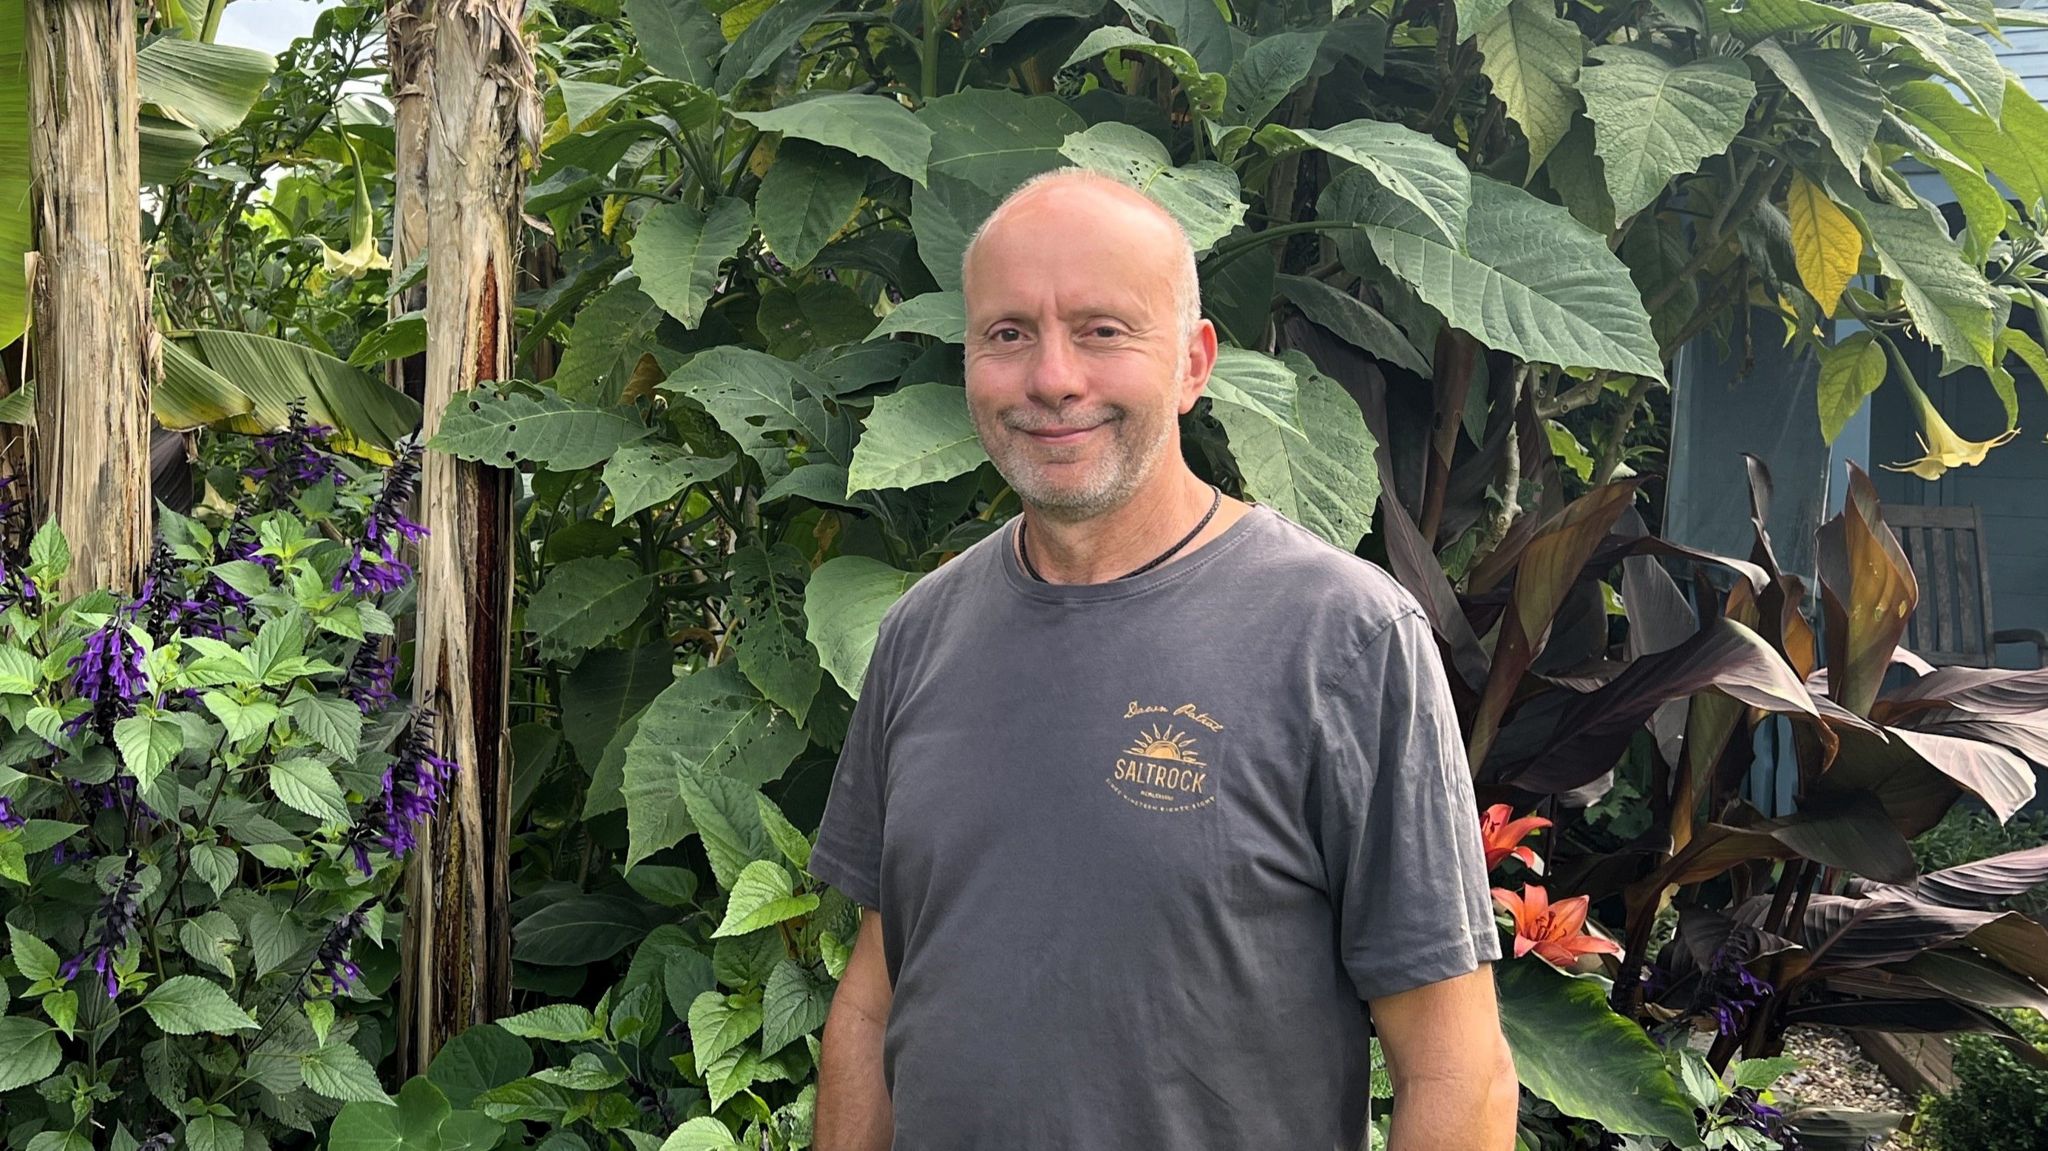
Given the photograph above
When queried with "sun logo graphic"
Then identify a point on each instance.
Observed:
(1162, 770)
(1166, 744)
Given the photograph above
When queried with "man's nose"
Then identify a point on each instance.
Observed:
(1056, 376)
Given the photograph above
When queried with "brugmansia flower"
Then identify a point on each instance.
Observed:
(1944, 448)
(1503, 836)
(331, 960)
(108, 674)
(373, 567)
(117, 918)
(1554, 931)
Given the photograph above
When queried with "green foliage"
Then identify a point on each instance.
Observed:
(203, 806)
(2000, 1101)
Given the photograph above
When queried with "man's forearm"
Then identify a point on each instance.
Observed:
(1456, 1113)
(853, 1098)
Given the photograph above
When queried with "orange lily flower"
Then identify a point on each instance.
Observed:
(1554, 931)
(1504, 836)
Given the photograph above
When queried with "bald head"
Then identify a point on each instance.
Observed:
(1080, 190)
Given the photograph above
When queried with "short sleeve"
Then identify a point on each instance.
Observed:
(1396, 819)
(848, 854)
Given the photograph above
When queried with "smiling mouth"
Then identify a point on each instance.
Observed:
(1059, 435)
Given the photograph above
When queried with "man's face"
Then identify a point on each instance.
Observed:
(1076, 373)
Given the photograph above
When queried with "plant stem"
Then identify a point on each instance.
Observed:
(1611, 448)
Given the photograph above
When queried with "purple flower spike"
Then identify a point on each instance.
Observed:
(373, 566)
(9, 818)
(413, 786)
(108, 674)
(332, 961)
(117, 918)
(369, 680)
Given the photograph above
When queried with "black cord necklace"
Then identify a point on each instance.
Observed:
(1215, 502)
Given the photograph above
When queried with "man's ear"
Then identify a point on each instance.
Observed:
(1198, 359)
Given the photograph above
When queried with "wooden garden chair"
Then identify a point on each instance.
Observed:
(1952, 626)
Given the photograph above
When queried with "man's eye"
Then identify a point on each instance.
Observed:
(1005, 335)
(1106, 332)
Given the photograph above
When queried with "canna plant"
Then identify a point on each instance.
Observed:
(209, 789)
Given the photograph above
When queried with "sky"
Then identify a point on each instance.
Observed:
(269, 25)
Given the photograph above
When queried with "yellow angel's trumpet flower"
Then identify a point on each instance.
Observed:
(1945, 449)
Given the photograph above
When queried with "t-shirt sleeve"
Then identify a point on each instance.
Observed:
(848, 854)
(1398, 824)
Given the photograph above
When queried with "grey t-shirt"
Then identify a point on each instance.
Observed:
(1142, 848)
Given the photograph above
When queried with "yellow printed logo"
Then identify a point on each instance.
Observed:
(1163, 769)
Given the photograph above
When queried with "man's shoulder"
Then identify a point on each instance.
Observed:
(950, 585)
(1316, 578)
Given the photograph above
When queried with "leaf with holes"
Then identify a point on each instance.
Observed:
(558, 434)
(771, 645)
(1203, 197)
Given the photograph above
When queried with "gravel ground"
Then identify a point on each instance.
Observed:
(1838, 1075)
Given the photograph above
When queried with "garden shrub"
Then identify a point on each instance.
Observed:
(2000, 1102)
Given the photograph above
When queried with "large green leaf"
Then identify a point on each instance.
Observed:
(15, 209)
(1532, 57)
(920, 434)
(680, 38)
(844, 604)
(710, 723)
(1529, 279)
(1197, 25)
(191, 93)
(370, 416)
(1653, 120)
(1204, 90)
(985, 142)
(773, 33)
(550, 431)
(1427, 175)
(2015, 146)
(1203, 197)
(678, 250)
(942, 315)
(755, 398)
(585, 602)
(192, 395)
(1310, 474)
(579, 929)
(1955, 53)
(612, 333)
(641, 475)
(605, 689)
(1950, 301)
(1267, 73)
(873, 126)
(1352, 321)
(1574, 1052)
(1838, 93)
(809, 194)
(771, 646)
(476, 1059)
(1257, 384)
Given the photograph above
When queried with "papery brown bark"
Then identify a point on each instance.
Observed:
(92, 348)
(480, 116)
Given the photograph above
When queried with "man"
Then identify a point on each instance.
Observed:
(1150, 794)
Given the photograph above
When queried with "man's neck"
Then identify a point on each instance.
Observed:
(1114, 543)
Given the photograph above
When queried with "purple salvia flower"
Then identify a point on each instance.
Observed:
(374, 566)
(9, 818)
(117, 918)
(299, 455)
(331, 962)
(109, 674)
(1734, 989)
(413, 786)
(369, 679)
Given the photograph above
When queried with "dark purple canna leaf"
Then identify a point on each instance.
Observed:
(1911, 1016)
(1549, 566)
(1983, 884)
(2001, 779)
(1586, 736)
(1417, 569)
(1956, 972)
(1868, 590)
(2026, 735)
(1978, 690)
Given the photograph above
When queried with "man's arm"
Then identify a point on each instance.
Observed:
(853, 1100)
(1454, 1080)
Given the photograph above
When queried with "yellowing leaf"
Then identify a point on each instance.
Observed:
(1825, 242)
